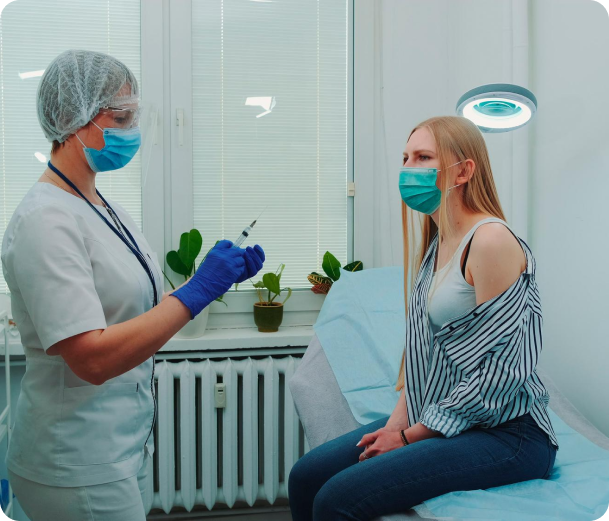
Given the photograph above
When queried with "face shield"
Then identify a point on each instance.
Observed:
(148, 123)
(133, 116)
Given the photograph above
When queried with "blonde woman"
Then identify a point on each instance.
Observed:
(472, 413)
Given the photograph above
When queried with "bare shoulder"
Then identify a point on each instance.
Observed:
(497, 260)
(495, 241)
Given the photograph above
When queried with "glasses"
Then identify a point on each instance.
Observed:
(123, 117)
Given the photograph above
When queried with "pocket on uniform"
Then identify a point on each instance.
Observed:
(98, 424)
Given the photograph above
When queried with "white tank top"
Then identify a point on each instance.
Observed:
(450, 295)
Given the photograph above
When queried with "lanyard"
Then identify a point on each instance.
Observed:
(131, 245)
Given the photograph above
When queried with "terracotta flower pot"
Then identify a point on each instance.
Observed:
(268, 318)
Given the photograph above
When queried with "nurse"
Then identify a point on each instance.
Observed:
(85, 295)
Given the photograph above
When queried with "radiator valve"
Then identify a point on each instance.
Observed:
(220, 396)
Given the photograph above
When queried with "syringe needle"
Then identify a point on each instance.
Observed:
(247, 230)
(261, 214)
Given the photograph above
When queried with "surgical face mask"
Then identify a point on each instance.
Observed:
(418, 188)
(120, 147)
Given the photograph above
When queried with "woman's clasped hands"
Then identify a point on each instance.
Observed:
(224, 266)
(379, 442)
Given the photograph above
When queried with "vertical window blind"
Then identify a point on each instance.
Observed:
(270, 128)
(32, 33)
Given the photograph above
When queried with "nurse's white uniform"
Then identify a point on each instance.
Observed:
(68, 273)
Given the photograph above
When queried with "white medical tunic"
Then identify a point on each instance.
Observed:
(69, 273)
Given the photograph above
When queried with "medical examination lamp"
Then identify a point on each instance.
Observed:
(498, 107)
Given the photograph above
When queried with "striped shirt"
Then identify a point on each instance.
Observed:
(479, 369)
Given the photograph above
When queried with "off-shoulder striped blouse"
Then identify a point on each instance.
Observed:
(479, 369)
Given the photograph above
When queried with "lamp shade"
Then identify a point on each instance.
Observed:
(498, 107)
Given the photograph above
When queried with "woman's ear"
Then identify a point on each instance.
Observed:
(467, 171)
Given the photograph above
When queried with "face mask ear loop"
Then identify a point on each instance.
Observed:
(78, 137)
(450, 166)
(448, 191)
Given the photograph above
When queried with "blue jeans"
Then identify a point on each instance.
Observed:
(330, 484)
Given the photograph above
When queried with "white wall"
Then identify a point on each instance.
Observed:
(428, 53)
(569, 196)
(432, 52)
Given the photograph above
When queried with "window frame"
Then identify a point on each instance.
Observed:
(363, 127)
(154, 92)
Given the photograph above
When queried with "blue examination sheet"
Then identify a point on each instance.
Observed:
(577, 490)
(362, 329)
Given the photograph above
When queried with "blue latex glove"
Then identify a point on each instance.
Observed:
(222, 267)
(253, 257)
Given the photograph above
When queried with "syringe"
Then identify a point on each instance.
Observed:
(245, 233)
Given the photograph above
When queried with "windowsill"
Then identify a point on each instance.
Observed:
(242, 338)
(221, 340)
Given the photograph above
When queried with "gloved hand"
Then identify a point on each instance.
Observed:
(254, 257)
(222, 267)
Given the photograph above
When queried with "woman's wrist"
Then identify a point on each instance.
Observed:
(396, 426)
(397, 440)
(419, 432)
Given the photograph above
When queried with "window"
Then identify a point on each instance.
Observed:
(269, 110)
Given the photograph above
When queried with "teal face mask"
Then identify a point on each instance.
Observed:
(418, 188)
(120, 147)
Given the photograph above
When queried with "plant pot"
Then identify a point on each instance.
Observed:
(196, 327)
(268, 318)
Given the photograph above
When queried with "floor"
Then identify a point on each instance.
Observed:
(274, 516)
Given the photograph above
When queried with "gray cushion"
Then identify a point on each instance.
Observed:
(322, 408)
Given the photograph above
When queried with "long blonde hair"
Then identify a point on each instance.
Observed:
(457, 139)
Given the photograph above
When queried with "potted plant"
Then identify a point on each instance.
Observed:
(331, 267)
(268, 314)
(182, 262)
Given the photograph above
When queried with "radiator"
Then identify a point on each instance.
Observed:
(236, 455)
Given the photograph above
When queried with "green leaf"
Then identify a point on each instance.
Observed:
(190, 247)
(289, 294)
(316, 278)
(271, 282)
(259, 285)
(354, 266)
(221, 299)
(176, 264)
(280, 270)
(331, 266)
